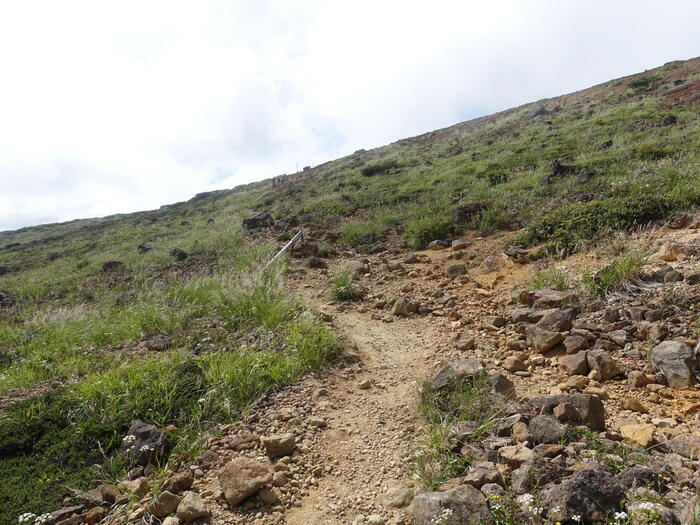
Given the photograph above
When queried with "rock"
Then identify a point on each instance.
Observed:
(95, 515)
(542, 340)
(461, 244)
(403, 306)
(109, 493)
(66, 514)
(670, 251)
(634, 404)
(546, 298)
(259, 220)
(242, 477)
(575, 343)
(574, 364)
(639, 379)
(557, 320)
(591, 494)
(514, 455)
(376, 519)
(144, 248)
(642, 476)
(547, 429)
(589, 408)
(165, 504)
(500, 384)
(520, 432)
(171, 520)
(138, 486)
(459, 369)
(455, 270)
(278, 445)
(179, 481)
(513, 364)
(640, 434)
(606, 366)
(679, 219)
(438, 245)
(481, 473)
(495, 320)
(535, 472)
(397, 497)
(279, 479)
(268, 496)
(565, 412)
(686, 445)
(143, 443)
(494, 262)
(411, 259)
(192, 507)
(112, 266)
(157, 342)
(467, 504)
(677, 362)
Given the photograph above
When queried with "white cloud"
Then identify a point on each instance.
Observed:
(116, 107)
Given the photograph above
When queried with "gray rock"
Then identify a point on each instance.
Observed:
(590, 493)
(575, 364)
(457, 370)
(557, 320)
(686, 445)
(191, 507)
(535, 472)
(165, 504)
(143, 443)
(467, 504)
(677, 362)
(590, 409)
(548, 429)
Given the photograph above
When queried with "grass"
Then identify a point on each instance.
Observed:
(235, 334)
(617, 274)
(421, 232)
(344, 285)
(437, 458)
(554, 279)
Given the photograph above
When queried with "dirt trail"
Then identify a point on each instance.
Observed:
(370, 434)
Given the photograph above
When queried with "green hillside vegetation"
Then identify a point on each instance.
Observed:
(566, 172)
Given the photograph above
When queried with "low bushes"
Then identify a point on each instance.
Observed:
(419, 233)
(566, 228)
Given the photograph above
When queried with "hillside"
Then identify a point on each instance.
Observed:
(169, 317)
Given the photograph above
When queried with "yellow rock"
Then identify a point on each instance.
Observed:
(641, 434)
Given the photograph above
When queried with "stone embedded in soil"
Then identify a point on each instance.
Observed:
(641, 434)
(165, 504)
(192, 507)
(459, 369)
(542, 340)
(243, 477)
(591, 494)
(468, 505)
(278, 445)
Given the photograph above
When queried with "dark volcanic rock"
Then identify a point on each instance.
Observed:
(591, 494)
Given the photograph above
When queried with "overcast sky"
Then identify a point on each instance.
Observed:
(120, 106)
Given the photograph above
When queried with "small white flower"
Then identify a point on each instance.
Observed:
(576, 517)
(619, 516)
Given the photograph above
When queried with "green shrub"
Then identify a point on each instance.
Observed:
(379, 167)
(616, 274)
(422, 232)
(566, 228)
(652, 152)
(553, 278)
(357, 233)
(344, 287)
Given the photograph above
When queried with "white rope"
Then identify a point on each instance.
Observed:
(298, 237)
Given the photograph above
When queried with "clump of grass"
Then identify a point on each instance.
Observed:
(419, 233)
(554, 278)
(566, 229)
(344, 285)
(436, 459)
(356, 233)
(614, 276)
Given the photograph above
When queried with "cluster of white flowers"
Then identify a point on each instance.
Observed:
(620, 516)
(442, 518)
(576, 518)
(30, 517)
(649, 506)
(529, 501)
(146, 448)
(129, 439)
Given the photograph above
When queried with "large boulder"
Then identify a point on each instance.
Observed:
(243, 477)
(457, 369)
(464, 504)
(144, 443)
(589, 409)
(591, 494)
(676, 361)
